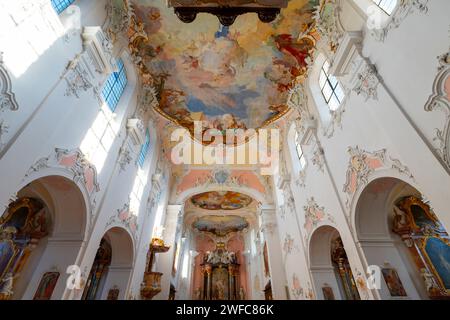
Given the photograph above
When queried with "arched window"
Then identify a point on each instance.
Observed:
(61, 5)
(138, 191)
(144, 150)
(331, 88)
(387, 6)
(115, 86)
(300, 153)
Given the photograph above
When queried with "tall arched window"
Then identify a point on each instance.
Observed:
(331, 88)
(144, 150)
(387, 6)
(115, 86)
(101, 135)
(61, 5)
(300, 153)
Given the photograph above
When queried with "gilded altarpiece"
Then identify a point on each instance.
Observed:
(428, 243)
(22, 226)
(98, 272)
(343, 270)
(221, 275)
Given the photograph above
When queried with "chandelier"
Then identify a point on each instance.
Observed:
(227, 11)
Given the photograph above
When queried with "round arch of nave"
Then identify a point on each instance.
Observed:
(395, 231)
(47, 224)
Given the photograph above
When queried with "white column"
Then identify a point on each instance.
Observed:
(165, 260)
(272, 238)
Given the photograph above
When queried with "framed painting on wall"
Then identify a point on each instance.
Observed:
(393, 282)
(7, 254)
(46, 286)
(438, 253)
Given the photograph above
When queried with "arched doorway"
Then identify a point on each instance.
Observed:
(111, 269)
(41, 235)
(400, 234)
(330, 267)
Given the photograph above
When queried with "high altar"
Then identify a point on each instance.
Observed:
(220, 270)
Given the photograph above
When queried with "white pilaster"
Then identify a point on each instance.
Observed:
(165, 260)
(271, 235)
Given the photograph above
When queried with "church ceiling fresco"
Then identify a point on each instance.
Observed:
(221, 200)
(228, 77)
(220, 225)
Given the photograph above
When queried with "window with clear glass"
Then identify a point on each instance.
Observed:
(99, 138)
(144, 150)
(138, 191)
(331, 88)
(61, 5)
(299, 150)
(387, 6)
(115, 86)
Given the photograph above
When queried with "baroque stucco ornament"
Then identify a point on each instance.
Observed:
(367, 83)
(328, 25)
(314, 215)
(125, 218)
(83, 172)
(362, 164)
(78, 79)
(296, 287)
(7, 99)
(439, 101)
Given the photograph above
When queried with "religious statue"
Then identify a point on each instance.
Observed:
(7, 284)
(429, 280)
(400, 218)
(220, 290)
(223, 257)
(198, 294)
(241, 294)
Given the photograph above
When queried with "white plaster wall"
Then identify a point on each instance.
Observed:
(48, 118)
(395, 121)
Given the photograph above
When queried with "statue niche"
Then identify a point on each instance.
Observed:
(220, 270)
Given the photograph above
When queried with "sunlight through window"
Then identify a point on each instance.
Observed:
(299, 150)
(99, 139)
(387, 6)
(61, 5)
(28, 35)
(115, 86)
(331, 88)
(138, 190)
(144, 150)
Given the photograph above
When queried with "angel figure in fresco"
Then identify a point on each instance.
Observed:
(299, 49)
(281, 74)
